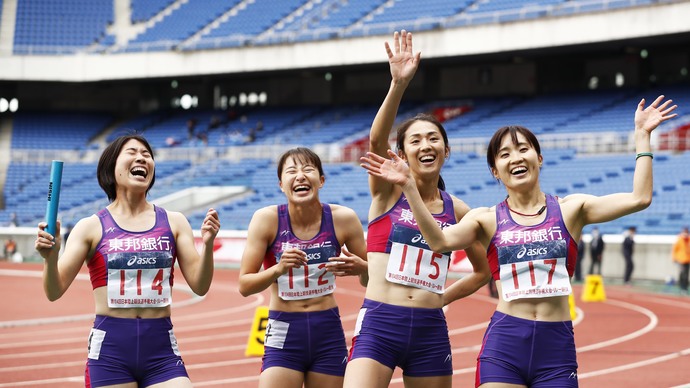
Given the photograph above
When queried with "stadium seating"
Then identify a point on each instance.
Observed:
(60, 26)
(205, 24)
(466, 175)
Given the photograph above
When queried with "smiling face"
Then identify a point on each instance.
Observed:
(517, 161)
(300, 180)
(424, 148)
(117, 162)
(134, 166)
(301, 175)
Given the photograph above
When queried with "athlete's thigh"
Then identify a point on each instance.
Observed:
(318, 380)
(428, 382)
(281, 377)
(177, 382)
(367, 373)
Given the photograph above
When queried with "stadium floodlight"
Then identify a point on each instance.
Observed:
(593, 82)
(4, 105)
(14, 105)
(620, 79)
(253, 98)
(186, 101)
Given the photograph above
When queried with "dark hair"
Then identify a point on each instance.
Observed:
(302, 154)
(513, 130)
(108, 160)
(405, 125)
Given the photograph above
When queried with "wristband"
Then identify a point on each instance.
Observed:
(641, 154)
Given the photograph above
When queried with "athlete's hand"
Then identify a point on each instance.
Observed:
(47, 245)
(403, 62)
(210, 226)
(347, 265)
(393, 170)
(291, 258)
(647, 119)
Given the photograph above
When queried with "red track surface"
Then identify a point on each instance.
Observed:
(633, 339)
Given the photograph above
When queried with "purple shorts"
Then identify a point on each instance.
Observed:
(414, 339)
(525, 352)
(306, 341)
(124, 350)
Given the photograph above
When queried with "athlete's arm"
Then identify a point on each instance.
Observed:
(260, 234)
(454, 237)
(196, 268)
(476, 254)
(594, 209)
(403, 65)
(58, 274)
(350, 232)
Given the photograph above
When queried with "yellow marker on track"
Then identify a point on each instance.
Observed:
(593, 290)
(255, 343)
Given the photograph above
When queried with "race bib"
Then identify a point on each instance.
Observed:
(417, 267)
(309, 281)
(534, 271)
(139, 279)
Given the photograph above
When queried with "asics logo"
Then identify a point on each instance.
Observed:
(417, 238)
(531, 252)
(141, 261)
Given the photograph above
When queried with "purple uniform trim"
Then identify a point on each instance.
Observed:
(124, 350)
(526, 352)
(306, 341)
(414, 339)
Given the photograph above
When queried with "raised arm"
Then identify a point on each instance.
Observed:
(596, 209)
(396, 171)
(196, 268)
(58, 274)
(403, 65)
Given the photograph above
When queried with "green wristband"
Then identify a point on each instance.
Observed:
(641, 154)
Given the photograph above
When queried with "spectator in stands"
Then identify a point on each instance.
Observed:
(14, 221)
(130, 248)
(681, 255)
(403, 297)
(628, 249)
(299, 245)
(596, 251)
(191, 127)
(531, 238)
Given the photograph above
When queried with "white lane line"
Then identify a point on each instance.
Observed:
(653, 322)
(634, 365)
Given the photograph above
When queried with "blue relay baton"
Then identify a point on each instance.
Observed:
(53, 196)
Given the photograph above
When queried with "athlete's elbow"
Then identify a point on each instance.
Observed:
(643, 202)
(201, 291)
(245, 290)
(52, 297)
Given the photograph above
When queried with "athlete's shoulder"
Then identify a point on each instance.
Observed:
(342, 211)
